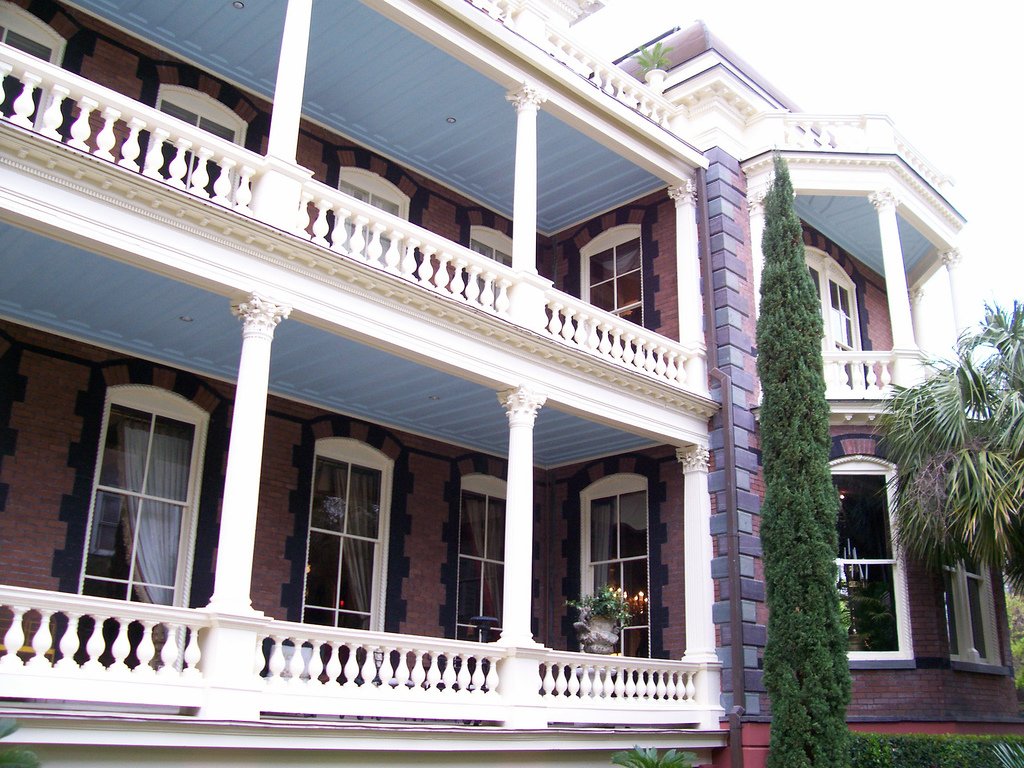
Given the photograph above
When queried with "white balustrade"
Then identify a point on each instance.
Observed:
(109, 126)
(858, 375)
(622, 679)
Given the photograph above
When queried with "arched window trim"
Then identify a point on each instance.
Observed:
(375, 184)
(353, 451)
(25, 24)
(871, 465)
(160, 402)
(493, 239)
(610, 238)
(830, 270)
(203, 105)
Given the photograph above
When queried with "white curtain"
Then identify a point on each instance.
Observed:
(601, 534)
(357, 557)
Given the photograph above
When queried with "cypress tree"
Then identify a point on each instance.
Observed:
(805, 666)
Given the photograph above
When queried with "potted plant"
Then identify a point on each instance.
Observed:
(602, 616)
(653, 62)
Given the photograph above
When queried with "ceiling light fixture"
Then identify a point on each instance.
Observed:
(186, 318)
(450, 120)
(238, 5)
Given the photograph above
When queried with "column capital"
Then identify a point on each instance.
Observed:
(259, 315)
(917, 296)
(521, 405)
(755, 201)
(883, 199)
(693, 459)
(684, 194)
(951, 259)
(526, 97)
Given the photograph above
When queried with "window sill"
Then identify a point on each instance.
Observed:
(859, 664)
(980, 668)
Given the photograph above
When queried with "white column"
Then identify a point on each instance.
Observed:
(527, 101)
(895, 273)
(291, 78)
(698, 551)
(916, 314)
(233, 573)
(690, 305)
(521, 406)
(755, 207)
(951, 259)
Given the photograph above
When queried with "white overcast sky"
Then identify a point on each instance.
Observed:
(947, 73)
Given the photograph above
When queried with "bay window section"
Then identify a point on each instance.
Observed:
(481, 557)
(838, 297)
(970, 614)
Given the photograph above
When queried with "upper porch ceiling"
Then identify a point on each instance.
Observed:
(379, 84)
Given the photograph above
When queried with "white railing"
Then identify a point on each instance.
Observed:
(352, 228)
(75, 647)
(627, 681)
(98, 121)
(875, 134)
(857, 375)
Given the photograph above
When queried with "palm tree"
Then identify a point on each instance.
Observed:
(638, 757)
(17, 757)
(958, 441)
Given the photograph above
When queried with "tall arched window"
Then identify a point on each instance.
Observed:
(203, 111)
(346, 552)
(374, 189)
(615, 550)
(491, 243)
(838, 297)
(21, 30)
(612, 276)
(145, 493)
(481, 555)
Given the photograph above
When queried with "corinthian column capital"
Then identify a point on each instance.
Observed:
(684, 194)
(521, 405)
(693, 459)
(259, 315)
(527, 97)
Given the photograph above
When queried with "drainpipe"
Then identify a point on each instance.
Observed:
(729, 450)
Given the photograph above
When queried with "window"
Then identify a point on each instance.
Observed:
(21, 30)
(871, 574)
(145, 491)
(374, 189)
(203, 111)
(612, 272)
(481, 555)
(970, 614)
(615, 550)
(838, 295)
(348, 526)
(491, 243)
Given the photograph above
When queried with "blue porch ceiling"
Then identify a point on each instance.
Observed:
(111, 304)
(372, 80)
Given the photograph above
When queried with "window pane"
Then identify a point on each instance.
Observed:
(364, 502)
(330, 485)
(357, 575)
(179, 112)
(354, 191)
(483, 250)
(603, 296)
(353, 620)
(124, 455)
(816, 279)
(634, 315)
(871, 598)
(602, 266)
(628, 289)
(627, 257)
(384, 204)
(492, 590)
(633, 524)
(170, 456)
(319, 616)
(603, 544)
(635, 641)
(469, 589)
(115, 590)
(863, 517)
(156, 554)
(496, 530)
(634, 583)
(216, 128)
(471, 541)
(977, 617)
(322, 569)
(954, 644)
(112, 522)
(28, 45)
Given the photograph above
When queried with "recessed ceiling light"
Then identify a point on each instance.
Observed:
(450, 119)
(238, 4)
(433, 397)
(186, 318)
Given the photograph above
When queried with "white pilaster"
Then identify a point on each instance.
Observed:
(952, 259)
(527, 101)
(690, 306)
(755, 208)
(697, 554)
(521, 406)
(233, 573)
(895, 272)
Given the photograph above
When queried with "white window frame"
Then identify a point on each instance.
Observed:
(161, 402)
(492, 488)
(612, 238)
(375, 185)
(612, 485)
(204, 106)
(353, 451)
(25, 24)
(829, 271)
(959, 577)
(869, 465)
(491, 238)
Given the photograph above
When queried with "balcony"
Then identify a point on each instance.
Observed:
(89, 652)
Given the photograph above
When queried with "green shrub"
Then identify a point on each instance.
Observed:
(873, 750)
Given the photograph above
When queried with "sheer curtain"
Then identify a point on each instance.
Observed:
(357, 558)
(601, 533)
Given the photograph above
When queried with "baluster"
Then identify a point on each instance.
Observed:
(81, 130)
(671, 369)
(561, 680)
(25, 105)
(619, 682)
(670, 685)
(339, 232)
(605, 345)
(501, 303)
(121, 646)
(243, 193)
(464, 678)
(547, 680)
(418, 673)
(660, 366)
(387, 669)
(448, 677)
(597, 683)
(586, 682)
(491, 679)
(403, 672)
(368, 671)
(146, 650)
(885, 374)
(41, 641)
(201, 172)
(630, 683)
(375, 249)
(573, 674)
(14, 639)
(193, 653)
(316, 664)
(555, 323)
(473, 284)
(691, 689)
(320, 225)
(394, 252)
(487, 290)
(178, 168)
(442, 275)
(106, 139)
(67, 645)
(155, 153)
(171, 650)
(130, 148)
(92, 643)
(333, 666)
(351, 670)
(277, 662)
(433, 676)
(53, 117)
(568, 329)
(650, 362)
(407, 266)
(582, 325)
(458, 283)
(296, 665)
(660, 687)
(425, 273)
(627, 349)
(357, 241)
